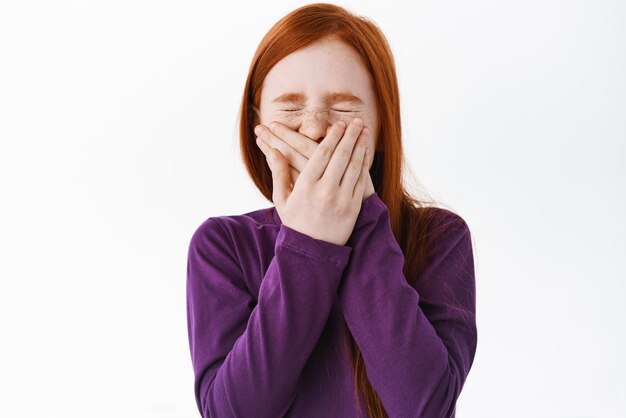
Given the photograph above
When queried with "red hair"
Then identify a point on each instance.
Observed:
(413, 223)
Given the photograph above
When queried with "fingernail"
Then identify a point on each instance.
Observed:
(258, 129)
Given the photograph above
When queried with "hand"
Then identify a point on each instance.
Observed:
(326, 199)
(298, 148)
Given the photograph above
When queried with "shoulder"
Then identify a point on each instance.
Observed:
(237, 244)
(445, 230)
(447, 220)
(231, 233)
(436, 219)
(233, 225)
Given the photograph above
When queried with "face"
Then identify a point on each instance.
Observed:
(316, 86)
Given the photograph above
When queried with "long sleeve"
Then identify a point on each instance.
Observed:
(247, 357)
(418, 344)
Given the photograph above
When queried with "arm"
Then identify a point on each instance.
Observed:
(418, 344)
(247, 359)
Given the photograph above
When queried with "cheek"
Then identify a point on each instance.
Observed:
(370, 142)
(291, 121)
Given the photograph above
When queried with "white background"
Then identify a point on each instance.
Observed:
(118, 130)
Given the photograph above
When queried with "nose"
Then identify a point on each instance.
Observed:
(314, 125)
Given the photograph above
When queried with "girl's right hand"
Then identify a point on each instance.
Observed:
(325, 201)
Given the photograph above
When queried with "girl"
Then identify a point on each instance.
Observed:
(348, 296)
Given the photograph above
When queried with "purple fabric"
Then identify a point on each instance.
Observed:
(266, 306)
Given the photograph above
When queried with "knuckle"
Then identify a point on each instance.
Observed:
(355, 165)
(309, 149)
(325, 151)
(343, 153)
(343, 207)
(327, 196)
(301, 148)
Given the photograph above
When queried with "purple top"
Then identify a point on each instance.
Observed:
(265, 312)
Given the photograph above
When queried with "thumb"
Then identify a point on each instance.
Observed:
(280, 176)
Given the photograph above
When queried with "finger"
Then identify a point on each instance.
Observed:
(294, 175)
(359, 187)
(343, 155)
(316, 165)
(301, 144)
(266, 149)
(355, 165)
(280, 176)
(296, 160)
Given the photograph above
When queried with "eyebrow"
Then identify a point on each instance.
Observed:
(336, 97)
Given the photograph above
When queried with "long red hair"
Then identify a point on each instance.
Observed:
(414, 224)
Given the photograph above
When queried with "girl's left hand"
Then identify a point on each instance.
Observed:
(296, 148)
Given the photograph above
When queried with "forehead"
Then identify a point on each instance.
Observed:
(323, 67)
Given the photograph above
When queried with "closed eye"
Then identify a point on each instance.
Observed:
(335, 110)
